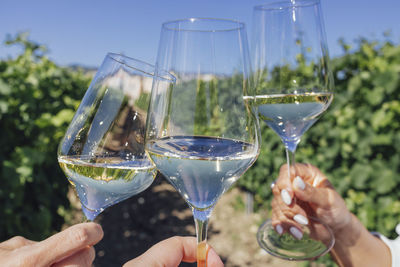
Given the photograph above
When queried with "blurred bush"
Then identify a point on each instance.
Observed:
(356, 143)
(37, 101)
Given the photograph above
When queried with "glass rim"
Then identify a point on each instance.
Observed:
(236, 25)
(143, 67)
(285, 4)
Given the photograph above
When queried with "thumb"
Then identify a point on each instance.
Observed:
(319, 196)
(171, 252)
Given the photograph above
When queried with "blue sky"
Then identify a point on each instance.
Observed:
(83, 31)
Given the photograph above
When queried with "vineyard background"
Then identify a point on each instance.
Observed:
(356, 143)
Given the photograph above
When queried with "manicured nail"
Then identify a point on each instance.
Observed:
(279, 229)
(299, 183)
(300, 219)
(286, 197)
(296, 233)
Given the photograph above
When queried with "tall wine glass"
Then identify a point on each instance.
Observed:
(102, 153)
(201, 135)
(294, 87)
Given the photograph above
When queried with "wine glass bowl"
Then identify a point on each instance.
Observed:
(294, 88)
(201, 134)
(102, 152)
(291, 115)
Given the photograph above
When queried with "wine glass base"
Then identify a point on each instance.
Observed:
(317, 240)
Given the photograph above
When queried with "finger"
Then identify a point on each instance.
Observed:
(284, 185)
(171, 252)
(278, 219)
(82, 258)
(16, 242)
(282, 223)
(295, 212)
(322, 196)
(312, 175)
(67, 242)
(276, 192)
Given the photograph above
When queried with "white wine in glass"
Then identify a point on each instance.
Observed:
(201, 134)
(102, 153)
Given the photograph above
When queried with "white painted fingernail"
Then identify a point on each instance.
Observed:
(296, 233)
(279, 229)
(299, 183)
(300, 219)
(286, 197)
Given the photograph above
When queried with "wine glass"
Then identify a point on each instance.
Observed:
(102, 153)
(294, 87)
(201, 134)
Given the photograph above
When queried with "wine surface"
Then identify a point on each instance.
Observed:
(201, 168)
(104, 181)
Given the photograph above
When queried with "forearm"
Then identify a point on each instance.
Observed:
(355, 246)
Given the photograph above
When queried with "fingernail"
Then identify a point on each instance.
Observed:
(279, 229)
(299, 183)
(296, 233)
(286, 197)
(300, 219)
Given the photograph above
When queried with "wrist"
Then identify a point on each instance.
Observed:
(348, 229)
(356, 246)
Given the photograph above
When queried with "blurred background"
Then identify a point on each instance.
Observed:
(48, 53)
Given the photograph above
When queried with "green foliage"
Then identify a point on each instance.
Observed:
(356, 143)
(213, 107)
(37, 101)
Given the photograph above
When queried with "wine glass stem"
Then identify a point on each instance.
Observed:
(201, 221)
(290, 157)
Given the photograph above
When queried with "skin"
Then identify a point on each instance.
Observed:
(354, 244)
(171, 252)
(72, 247)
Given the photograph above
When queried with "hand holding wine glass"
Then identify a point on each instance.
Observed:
(354, 244)
(294, 88)
(102, 152)
(201, 134)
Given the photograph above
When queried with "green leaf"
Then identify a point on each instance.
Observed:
(362, 172)
(64, 116)
(384, 182)
(5, 89)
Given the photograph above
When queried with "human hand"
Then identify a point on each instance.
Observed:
(72, 247)
(171, 252)
(306, 192)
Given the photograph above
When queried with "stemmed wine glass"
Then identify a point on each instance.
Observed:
(201, 134)
(102, 153)
(294, 87)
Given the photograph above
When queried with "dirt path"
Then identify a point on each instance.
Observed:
(134, 225)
